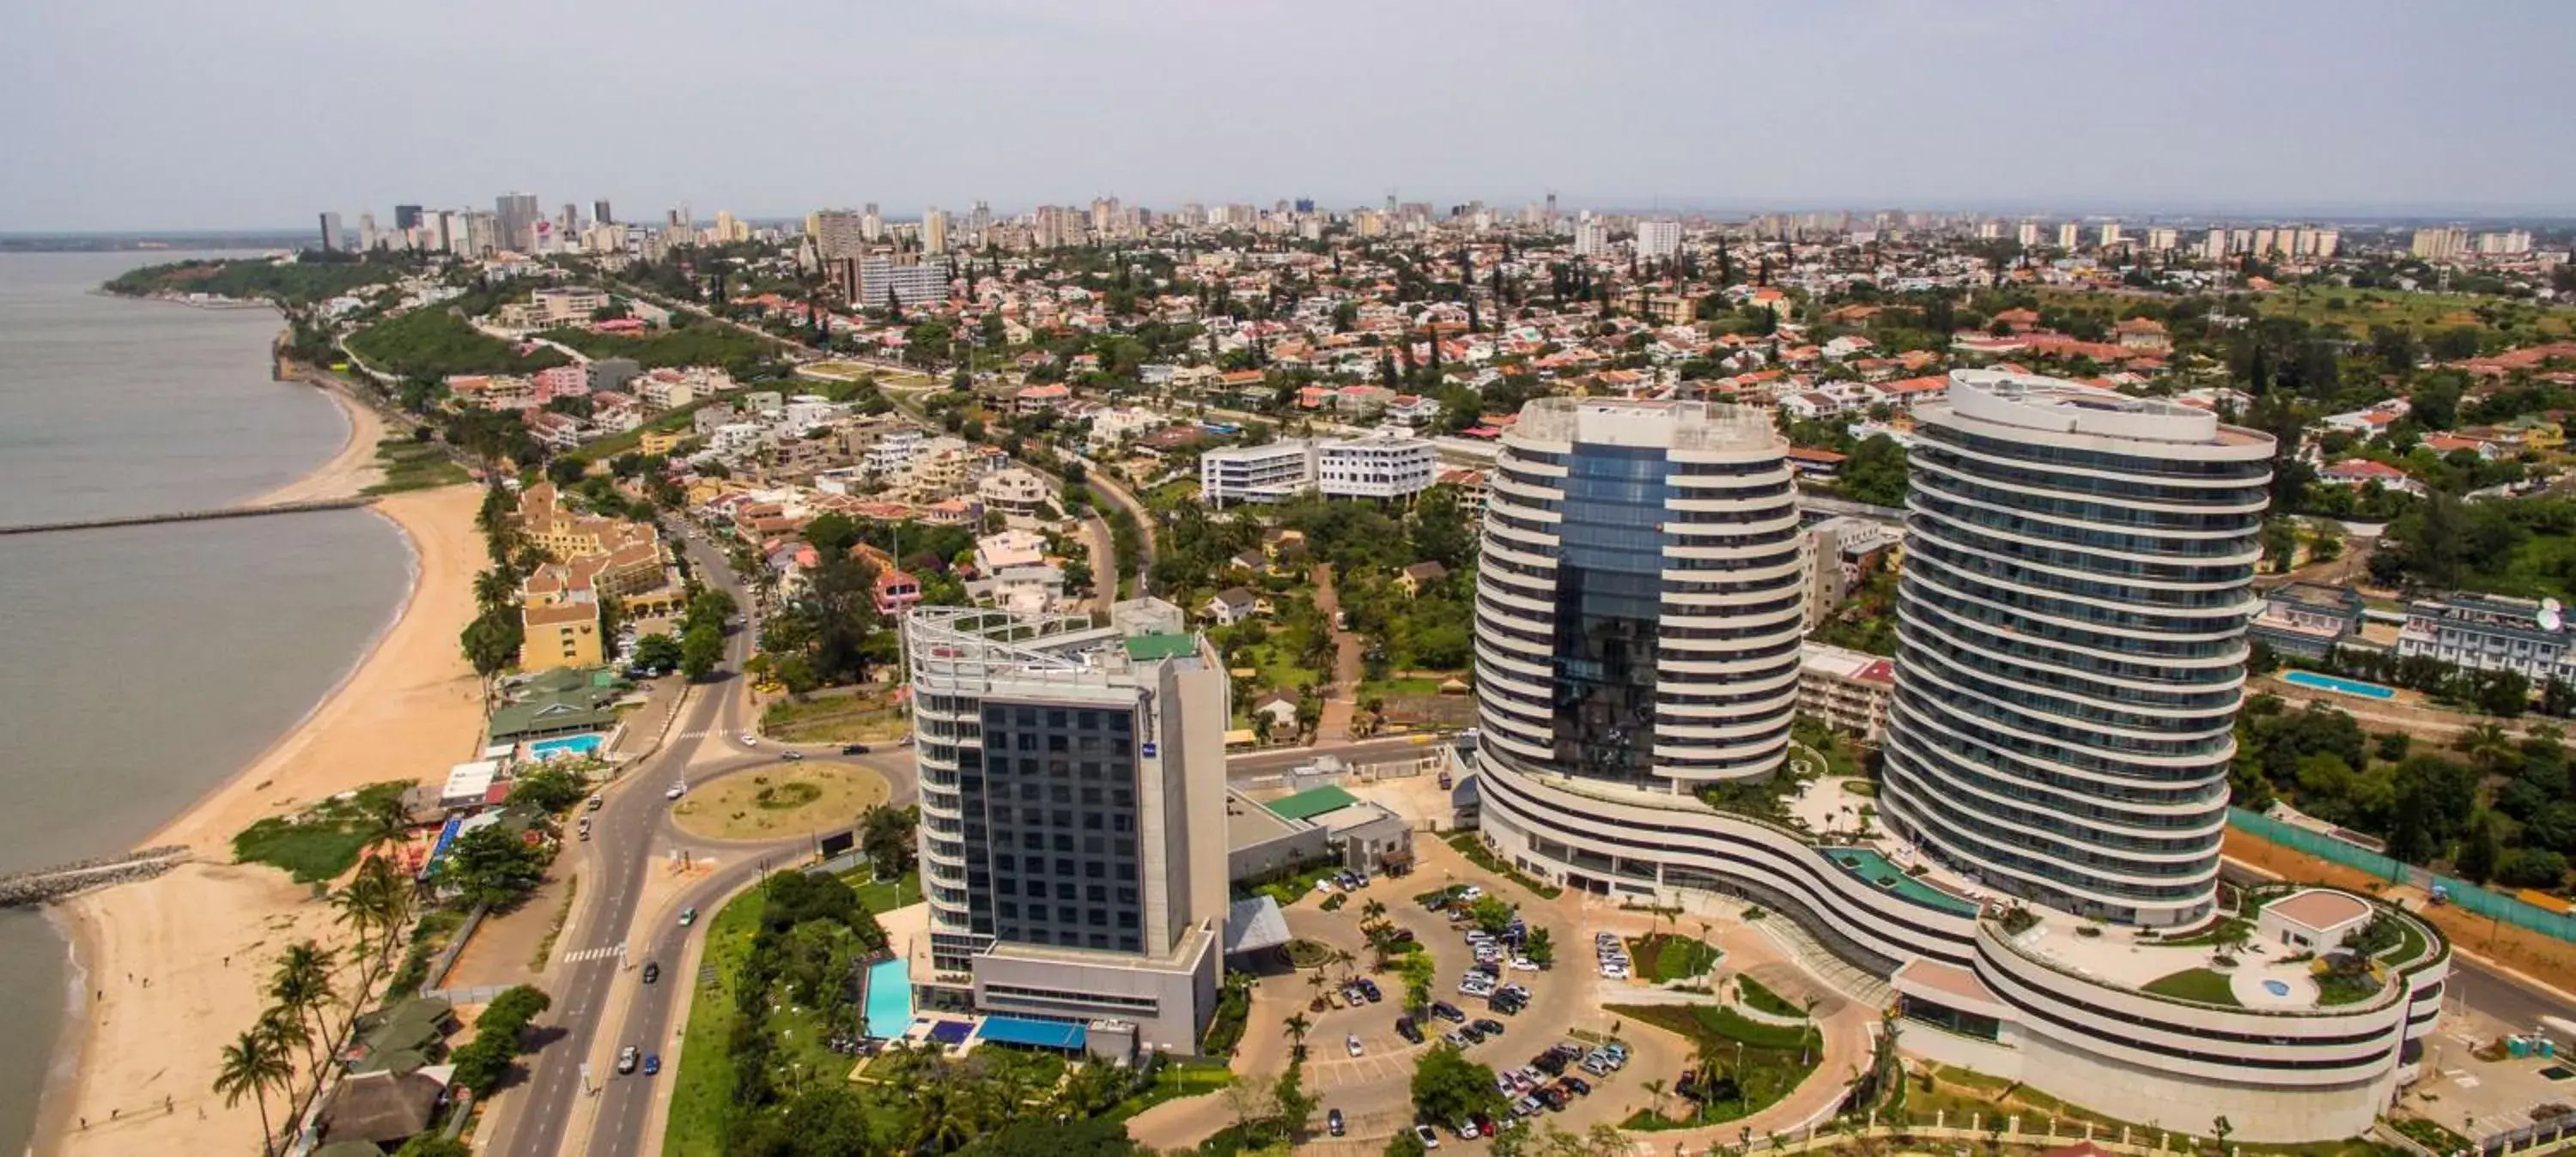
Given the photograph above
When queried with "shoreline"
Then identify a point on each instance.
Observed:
(350, 470)
(131, 1042)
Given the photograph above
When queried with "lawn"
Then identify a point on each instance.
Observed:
(1957, 1093)
(834, 719)
(1663, 956)
(1773, 1062)
(2197, 984)
(1296, 886)
(673, 419)
(1273, 669)
(885, 895)
(410, 465)
(1762, 999)
(1476, 852)
(1173, 1081)
(704, 1085)
(1388, 688)
(786, 799)
(319, 843)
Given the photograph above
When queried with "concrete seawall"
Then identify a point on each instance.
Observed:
(187, 516)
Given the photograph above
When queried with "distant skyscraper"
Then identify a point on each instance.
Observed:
(934, 230)
(1658, 239)
(872, 223)
(599, 213)
(1591, 238)
(2026, 235)
(2069, 235)
(2110, 234)
(983, 218)
(407, 217)
(839, 233)
(331, 235)
(367, 239)
(515, 217)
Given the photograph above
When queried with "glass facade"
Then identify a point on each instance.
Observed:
(1609, 592)
(1059, 810)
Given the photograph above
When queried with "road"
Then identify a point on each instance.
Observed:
(596, 994)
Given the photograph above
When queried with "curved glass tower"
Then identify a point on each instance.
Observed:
(1639, 599)
(2078, 579)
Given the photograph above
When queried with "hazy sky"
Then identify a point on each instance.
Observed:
(241, 113)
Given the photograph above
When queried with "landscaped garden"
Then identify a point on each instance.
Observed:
(2204, 985)
(1664, 956)
(1739, 1067)
(790, 799)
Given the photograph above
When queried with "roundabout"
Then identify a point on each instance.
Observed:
(780, 800)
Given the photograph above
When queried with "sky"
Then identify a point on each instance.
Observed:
(181, 114)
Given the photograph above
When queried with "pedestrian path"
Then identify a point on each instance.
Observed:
(603, 952)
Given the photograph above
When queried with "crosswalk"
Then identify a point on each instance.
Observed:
(603, 952)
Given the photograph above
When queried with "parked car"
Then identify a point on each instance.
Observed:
(594, 803)
(1411, 1032)
(1352, 1042)
(1577, 1085)
(1429, 1139)
(1551, 1062)
(1489, 1027)
(1469, 1031)
(1369, 988)
(1333, 1122)
(1447, 1011)
(1466, 1130)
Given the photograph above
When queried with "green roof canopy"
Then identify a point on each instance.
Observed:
(1306, 805)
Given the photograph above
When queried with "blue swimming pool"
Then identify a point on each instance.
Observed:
(2276, 988)
(889, 999)
(577, 745)
(2339, 685)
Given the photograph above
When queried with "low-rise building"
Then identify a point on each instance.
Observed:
(2308, 620)
(2491, 633)
(1849, 690)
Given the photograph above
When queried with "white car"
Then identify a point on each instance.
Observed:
(1429, 1139)
(1471, 892)
(677, 790)
(1524, 964)
(749, 739)
(1352, 1042)
(1613, 972)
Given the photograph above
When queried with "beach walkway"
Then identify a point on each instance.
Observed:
(189, 515)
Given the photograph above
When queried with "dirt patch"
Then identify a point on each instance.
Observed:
(782, 800)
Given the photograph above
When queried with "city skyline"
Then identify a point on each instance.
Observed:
(1022, 101)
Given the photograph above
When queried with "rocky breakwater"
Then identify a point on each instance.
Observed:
(22, 889)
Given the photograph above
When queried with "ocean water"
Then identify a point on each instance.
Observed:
(142, 666)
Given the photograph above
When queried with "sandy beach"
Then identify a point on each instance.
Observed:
(348, 472)
(175, 967)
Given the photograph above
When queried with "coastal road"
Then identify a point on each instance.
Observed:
(530, 1120)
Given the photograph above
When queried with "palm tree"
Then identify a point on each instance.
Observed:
(1655, 1089)
(492, 588)
(286, 1032)
(2485, 743)
(1297, 1027)
(1348, 960)
(251, 1066)
(302, 985)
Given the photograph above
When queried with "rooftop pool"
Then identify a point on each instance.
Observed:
(1867, 864)
(2338, 685)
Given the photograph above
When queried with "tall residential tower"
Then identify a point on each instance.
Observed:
(1072, 821)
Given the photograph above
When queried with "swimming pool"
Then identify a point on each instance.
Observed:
(544, 749)
(889, 999)
(2339, 685)
(2276, 988)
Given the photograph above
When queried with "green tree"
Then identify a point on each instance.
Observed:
(434, 1145)
(1447, 1087)
(251, 1066)
(491, 642)
(1540, 947)
(701, 648)
(658, 651)
(886, 838)
(301, 982)
(1874, 472)
(492, 865)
